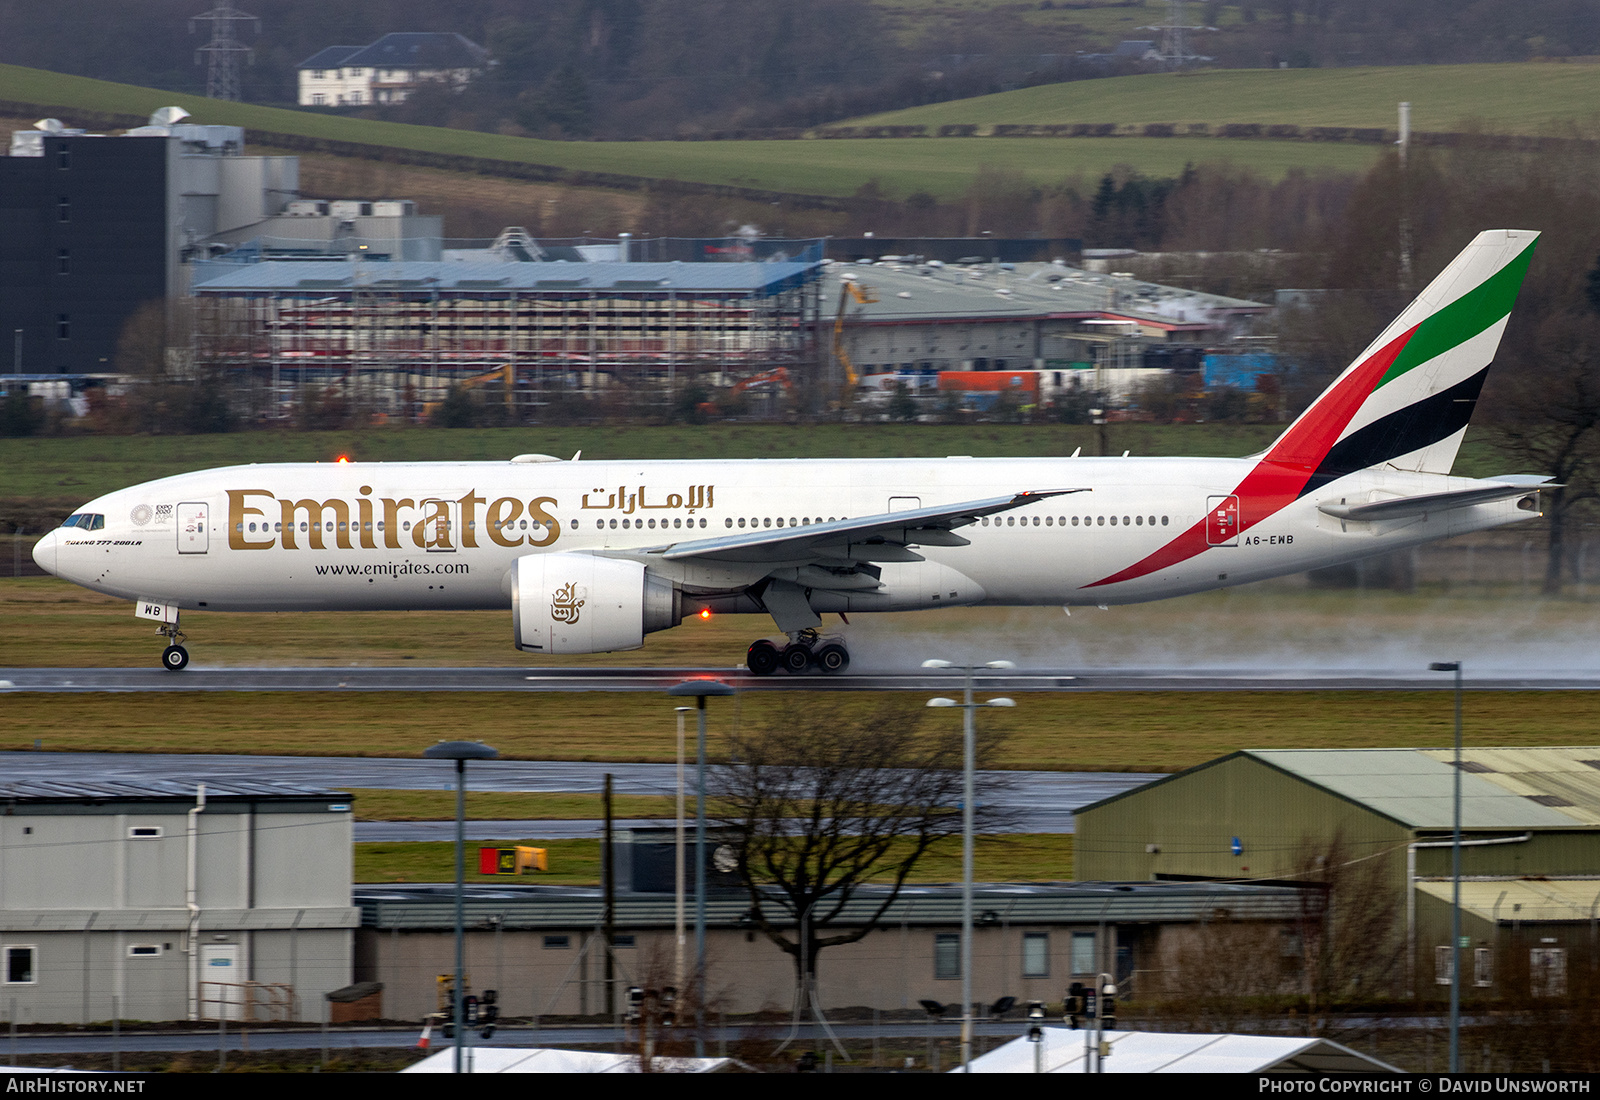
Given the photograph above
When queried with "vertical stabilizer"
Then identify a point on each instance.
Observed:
(1406, 400)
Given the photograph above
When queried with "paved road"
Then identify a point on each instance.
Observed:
(1039, 801)
(659, 679)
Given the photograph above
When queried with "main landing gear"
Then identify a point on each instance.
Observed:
(174, 658)
(805, 652)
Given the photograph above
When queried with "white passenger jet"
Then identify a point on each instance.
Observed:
(592, 556)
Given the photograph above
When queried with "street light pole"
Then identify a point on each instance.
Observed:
(1455, 879)
(700, 689)
(969, 755)
(460, 752)
(678, 865)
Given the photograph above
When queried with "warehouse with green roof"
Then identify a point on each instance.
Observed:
(1383, 818)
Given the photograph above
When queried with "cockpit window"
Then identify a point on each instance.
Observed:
(99, 522)
(71, 521)
(86, 520)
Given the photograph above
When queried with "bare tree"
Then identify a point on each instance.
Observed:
(822, 801)
(1223, 975)
(1547, 415)
(1350, 940)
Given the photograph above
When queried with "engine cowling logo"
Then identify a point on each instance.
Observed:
(565, 603)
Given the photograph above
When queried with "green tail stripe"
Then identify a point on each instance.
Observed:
(1463, 318)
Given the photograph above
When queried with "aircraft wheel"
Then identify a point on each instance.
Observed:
(833, 658)
(796, 659)
(174, 658)
(762, 658)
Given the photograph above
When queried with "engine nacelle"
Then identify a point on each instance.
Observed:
(581, 603)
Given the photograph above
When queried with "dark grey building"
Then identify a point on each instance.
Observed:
(92, 227)
(83, 233)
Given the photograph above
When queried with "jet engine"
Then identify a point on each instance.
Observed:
(581, 603)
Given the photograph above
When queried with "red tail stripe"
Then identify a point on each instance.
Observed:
(1312, 436)
(1282, 473)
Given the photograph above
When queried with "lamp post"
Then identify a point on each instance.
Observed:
(460, 752)
(1455, 880)
(677, 901)
(700, 689)
(968, 767)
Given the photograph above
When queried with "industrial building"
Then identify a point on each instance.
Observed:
(902, 321)
(167, 901)
(1383, 819)
(541, 948)
(93, 227)
(402, 333)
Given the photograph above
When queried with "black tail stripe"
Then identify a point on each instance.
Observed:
(1418, 425)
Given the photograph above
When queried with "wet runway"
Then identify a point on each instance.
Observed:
(1036, 801)
(197, 678)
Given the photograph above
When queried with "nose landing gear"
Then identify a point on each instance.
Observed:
(174, 658)
(804, 652)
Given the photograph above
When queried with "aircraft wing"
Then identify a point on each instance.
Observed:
(1406, 507)
(879, 538)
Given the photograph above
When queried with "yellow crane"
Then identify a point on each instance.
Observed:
(848, 289)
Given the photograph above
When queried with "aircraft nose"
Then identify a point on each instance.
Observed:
(44, 552)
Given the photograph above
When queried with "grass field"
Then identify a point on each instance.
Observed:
(1523, 98)
(942, 167)
(1098, 732)
(1021, 858)
(76, 468)
(56, 624)
(915, 22)
(388, 805)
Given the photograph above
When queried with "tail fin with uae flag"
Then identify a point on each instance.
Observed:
(1405, 402)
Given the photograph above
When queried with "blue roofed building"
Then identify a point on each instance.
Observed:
(532, 329)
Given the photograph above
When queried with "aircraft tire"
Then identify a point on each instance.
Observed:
(762, 658)
(796, 659)
(174, 658)
(832, 658)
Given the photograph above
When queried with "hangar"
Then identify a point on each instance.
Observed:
(1381, 819)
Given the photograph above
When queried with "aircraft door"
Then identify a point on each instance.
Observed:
(441, 526)
(194, 535)
(904, 504)
(1222, 521)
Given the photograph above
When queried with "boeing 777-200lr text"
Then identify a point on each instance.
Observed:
(592, 556)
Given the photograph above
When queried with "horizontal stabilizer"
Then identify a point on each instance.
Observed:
(1407, 507)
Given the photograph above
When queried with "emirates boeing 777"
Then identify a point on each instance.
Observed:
(591, 556)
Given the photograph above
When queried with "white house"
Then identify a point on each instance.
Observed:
(389, 70)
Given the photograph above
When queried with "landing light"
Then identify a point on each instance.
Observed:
(705, 613)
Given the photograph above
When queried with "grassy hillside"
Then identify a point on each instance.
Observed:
(1515, 98)
(942, 167)
(83, 467)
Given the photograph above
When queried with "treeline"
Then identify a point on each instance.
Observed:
(631, 68)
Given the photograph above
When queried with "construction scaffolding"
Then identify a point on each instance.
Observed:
(394, 338)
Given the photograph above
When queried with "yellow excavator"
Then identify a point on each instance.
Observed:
(848, 289)
(505, 375)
